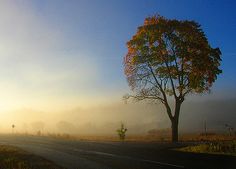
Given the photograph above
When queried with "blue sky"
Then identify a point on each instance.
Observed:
(103, 27)
(70, 53)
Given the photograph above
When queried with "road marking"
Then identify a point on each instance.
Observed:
(127, 157)
(167, 164)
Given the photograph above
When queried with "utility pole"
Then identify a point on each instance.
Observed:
(205, 128)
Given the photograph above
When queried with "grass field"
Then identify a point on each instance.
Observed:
(216, 147)
(15, 158)
(164, 136)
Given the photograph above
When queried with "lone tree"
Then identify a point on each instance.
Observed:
(167, 60)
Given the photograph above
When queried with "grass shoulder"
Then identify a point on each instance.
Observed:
(16, 158)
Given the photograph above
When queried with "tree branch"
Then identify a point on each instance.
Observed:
(171, 80)
(163, 93)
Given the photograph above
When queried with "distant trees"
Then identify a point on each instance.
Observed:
(167, 60)
(38, 127)
(65, 127)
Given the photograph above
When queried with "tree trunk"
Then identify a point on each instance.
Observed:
(175, 122)
(175, 133)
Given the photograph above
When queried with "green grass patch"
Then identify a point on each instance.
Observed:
(15, 158)
(217, 147)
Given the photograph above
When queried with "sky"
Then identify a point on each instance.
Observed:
(63, 55)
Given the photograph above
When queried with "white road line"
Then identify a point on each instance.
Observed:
(127, 157)
(167, 164)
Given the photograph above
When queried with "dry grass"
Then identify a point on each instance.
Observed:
(160, 136)
(15, 158)
(217, 147)
(115, 138)
(207, 137)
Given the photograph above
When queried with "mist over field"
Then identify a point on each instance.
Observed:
(138, 117)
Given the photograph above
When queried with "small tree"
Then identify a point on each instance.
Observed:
(167, 60)
(121, 131)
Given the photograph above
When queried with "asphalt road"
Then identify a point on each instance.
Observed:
(117, 155)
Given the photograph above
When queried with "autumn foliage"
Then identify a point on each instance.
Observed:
(170, 58)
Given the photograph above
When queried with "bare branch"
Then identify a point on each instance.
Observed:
(171, 80)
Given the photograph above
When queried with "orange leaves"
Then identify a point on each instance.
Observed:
(176, 51)
(151, 21)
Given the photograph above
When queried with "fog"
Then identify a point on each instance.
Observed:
(138, 117)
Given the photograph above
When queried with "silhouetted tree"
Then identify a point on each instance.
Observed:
(167, 60)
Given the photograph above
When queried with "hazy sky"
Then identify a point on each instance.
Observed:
(57, 55)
